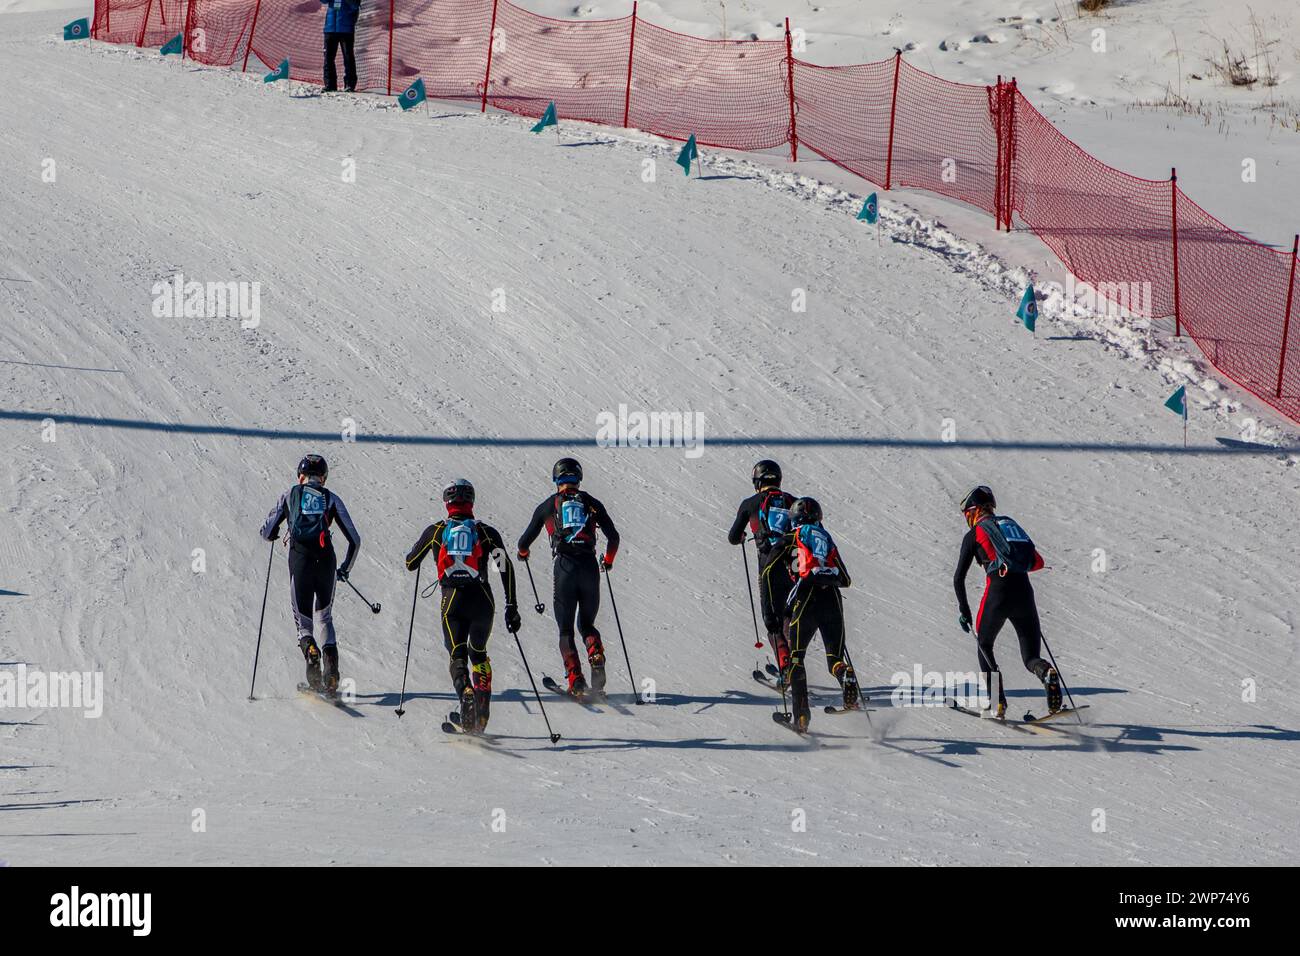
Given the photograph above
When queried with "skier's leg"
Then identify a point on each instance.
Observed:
(798, 632)
(302, 595)
(455, 638)
(324, 598)
(1030, 633)
(588, 605)
(831, 624)
(564, 599)
(988, 622)
(480, 629)
(774, 591)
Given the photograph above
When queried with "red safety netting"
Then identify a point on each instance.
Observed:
(1140, 243)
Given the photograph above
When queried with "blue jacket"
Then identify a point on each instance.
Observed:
(341, 15)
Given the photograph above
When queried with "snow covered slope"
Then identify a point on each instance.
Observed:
(674, 295)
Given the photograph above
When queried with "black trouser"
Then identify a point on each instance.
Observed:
(577, 594)
(347, 43)
(311, 589)
(1009, 599)
(814, 609)
(466, 611)
(773, 591)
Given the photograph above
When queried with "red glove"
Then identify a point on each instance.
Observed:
(523, 554)
(608, 561)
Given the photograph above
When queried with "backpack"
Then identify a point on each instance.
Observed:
(460, 552)
(813, 550)
(773, 518)
(1013, 551)
(309, 507)
(571, 516)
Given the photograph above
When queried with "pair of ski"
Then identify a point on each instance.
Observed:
(330, 697)
(768, 682)
(1028, 724)
(588, 698)
(454, 726)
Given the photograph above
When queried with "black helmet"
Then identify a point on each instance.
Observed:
(458, 490)
(977, 498)
(806, 511)
(313, 466)
(766, 472)
(567, 471)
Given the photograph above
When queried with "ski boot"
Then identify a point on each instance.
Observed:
(577, 683)
(481, 678)
(1052, 682)
(330, 654)
(468, 710)
(801, 714)
(311, 654)
(848, 684)
(596, 658)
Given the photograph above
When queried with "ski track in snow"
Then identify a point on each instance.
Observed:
(674, 295)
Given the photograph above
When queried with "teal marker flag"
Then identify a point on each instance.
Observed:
(1177, 402)
(175, 45)
(548, 118)
(413, 95)
(281, 72)
(689, 154)
(77, 29)
(870, 210)
(1028, 311)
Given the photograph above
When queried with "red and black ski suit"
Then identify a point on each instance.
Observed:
(773, 577)
(1007, 597)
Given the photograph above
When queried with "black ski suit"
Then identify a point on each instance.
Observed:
(815, 605)
(1008, 597)
(312, 570)
(766, 515)
(571, 520)
(466, 607)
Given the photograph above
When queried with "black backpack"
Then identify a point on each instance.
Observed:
(309, 507)
(1014, 552)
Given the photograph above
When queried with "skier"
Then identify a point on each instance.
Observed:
(1008, 556)
(465, 547)
(571, 518)
(766, 514)
(310, 509)
(818, 573)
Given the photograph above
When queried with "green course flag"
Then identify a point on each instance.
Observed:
(281, 72)
(548, 119)
(689, 154)
(1177, 402)
(175, 45)
(413, 95)
(77, 29)
(1028, 311)
(870, 210)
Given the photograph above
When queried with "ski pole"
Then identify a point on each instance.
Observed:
(539, 607)
(262, 619)
(1062, 680)
(555, 738)
(619, 624)
(744, 551)
(374, 606)
(410, 631)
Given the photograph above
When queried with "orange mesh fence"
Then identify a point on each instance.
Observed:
(1141, 244)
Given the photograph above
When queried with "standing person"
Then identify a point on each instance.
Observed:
(766, 514)
(340, 34)
(310, 509)
(814, 605)
(571, 517)
(1008, 556)
(465, 548)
